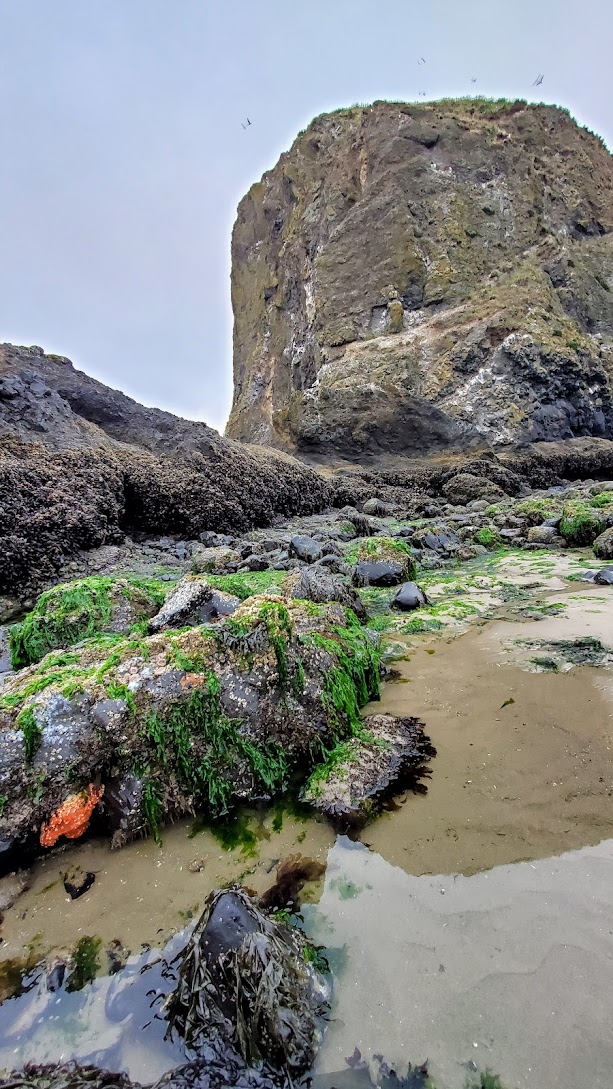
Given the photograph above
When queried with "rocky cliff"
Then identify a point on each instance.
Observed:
(410, 278)
(81, 464)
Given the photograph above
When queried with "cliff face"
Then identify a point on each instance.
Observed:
(416, 277)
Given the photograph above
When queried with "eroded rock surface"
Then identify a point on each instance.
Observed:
(415, 277)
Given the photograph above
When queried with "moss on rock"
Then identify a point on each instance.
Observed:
(78, 610)
(203, 718)
(580, 524)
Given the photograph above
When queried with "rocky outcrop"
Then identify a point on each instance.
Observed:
(80, 464)
(410, 278)
(141, 729)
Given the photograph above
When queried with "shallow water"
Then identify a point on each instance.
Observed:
(511, 969)
(507, 963)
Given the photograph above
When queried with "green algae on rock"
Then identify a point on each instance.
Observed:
(200, 718)
(77, 610)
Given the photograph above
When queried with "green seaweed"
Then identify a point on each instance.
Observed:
(32, 733)
(580, 525)
(153, 808)
(233, 831)
(73, 611)
(603, 499)
(487, 537)
(249, 583)
(418, 625)
(86, 963)
(200, 744)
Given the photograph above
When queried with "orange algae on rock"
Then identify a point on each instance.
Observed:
(72, 817)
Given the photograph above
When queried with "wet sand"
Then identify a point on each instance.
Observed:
(511, 781)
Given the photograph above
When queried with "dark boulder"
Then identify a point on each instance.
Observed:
(307, 549)
(464, 487)
(394, 757)
(320, 585)
(408, 597)
(245, 980)
(603, 545)
(604, 577)
(378, 573)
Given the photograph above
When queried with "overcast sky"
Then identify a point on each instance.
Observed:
(122, 156)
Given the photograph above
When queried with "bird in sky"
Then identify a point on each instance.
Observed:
(247, 125)
(473, 79)
(421, 61)
(539, 79)
(422, 94)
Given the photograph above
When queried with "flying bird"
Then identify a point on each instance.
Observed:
(421, 61)
(539, 79)
(247, 125)
(422, 94)
(473, 80)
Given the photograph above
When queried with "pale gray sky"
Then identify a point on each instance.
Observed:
(122, 156)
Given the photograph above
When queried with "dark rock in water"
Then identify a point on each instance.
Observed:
(378, 573)
(321, 586)
(305, 548)
(604, 577)
(65, 1076)
(222, 1072)
(292, 875)
(77, 884)
(215, 1071)
(409, 596)
(353, 789)
(245, 981)
(55, 976)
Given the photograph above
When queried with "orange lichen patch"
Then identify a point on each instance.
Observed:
(191, 680)
(72, 817)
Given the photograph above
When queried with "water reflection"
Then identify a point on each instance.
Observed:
(112, 1022)
(509, 970)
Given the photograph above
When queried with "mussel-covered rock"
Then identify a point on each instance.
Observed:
(391, 754)
(193, 601)
(317, 584)
(141, 729)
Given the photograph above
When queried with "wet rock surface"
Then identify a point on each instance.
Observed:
(207, 717)
(392, 755)
(409, 597)
(245, 980)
